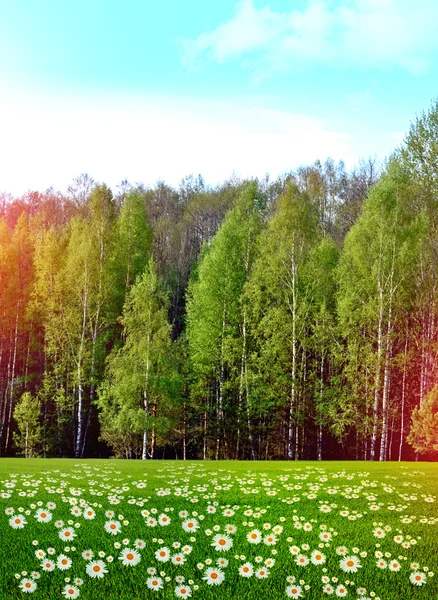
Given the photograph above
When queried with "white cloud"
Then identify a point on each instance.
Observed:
(360, 33)
(47, 140)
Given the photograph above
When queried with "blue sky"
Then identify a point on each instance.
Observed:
(157, 90)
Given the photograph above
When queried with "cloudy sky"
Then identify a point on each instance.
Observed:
(149, 90)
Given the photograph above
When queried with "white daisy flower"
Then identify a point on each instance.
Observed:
(350, 564)
(341, 591)
(183, 591)
(63, 562)
(113, 527)
(129, 557)
(221, 542)
(162, 554)
(48, 565)
(417, 578)
(302, 560)
(164, 520)
(270, 539)
(394, 565)
(262, 573)
(379, 532)
(67, 534)
(96, 568)
(190, 525)
(89, 513)
(70, 591)
(43, 516)
(254, 536)
(294, 591)
(178, 559)
(246, 570)
(154, 583)
(87, 554)
(27, 585)
(214, 576)
(317, 557)
(17, 522)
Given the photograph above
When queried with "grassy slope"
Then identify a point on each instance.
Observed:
(17, 551)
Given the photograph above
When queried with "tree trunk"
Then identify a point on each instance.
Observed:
(403, 399)
(377, 381)
(291, 441)
(12, 380)
(385, 395)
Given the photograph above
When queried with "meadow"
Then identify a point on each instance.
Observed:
(95, 529)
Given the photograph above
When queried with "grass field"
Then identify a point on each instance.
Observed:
(113, 530)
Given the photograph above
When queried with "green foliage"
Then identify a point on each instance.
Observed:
(140, 378)
(27, 414)
(423, 435)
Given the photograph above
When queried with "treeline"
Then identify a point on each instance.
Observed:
(294, 318)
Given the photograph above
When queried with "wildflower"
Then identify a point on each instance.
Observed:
(129, 557)
(43, 516)
(70, 591)
(27, 585)
(183, 591)
(302, 560)
(48, 565)
(294, 591)
(154, 583)
(63, 562)
(67, 534)
(341, 591)
(417, 578)
(214, 576)
(190, 525)
(178, 559)
(96, 568)
(270, 540)
(254, 536)
(222, 542)
(164, 520)
(350, 564)
(262, 573)
(113, 527)
(162, 554)
(17, 522)
(317, 558)
(246, 570)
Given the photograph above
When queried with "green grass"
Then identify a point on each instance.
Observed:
(226, 484)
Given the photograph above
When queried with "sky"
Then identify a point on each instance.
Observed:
(150, 91)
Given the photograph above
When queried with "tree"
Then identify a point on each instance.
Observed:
(27, 415)
(138, 379)
(423, 435)
(217, 324)
(278, 317)
(375, 274)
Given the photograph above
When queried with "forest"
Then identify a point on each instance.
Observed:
(294, 318)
